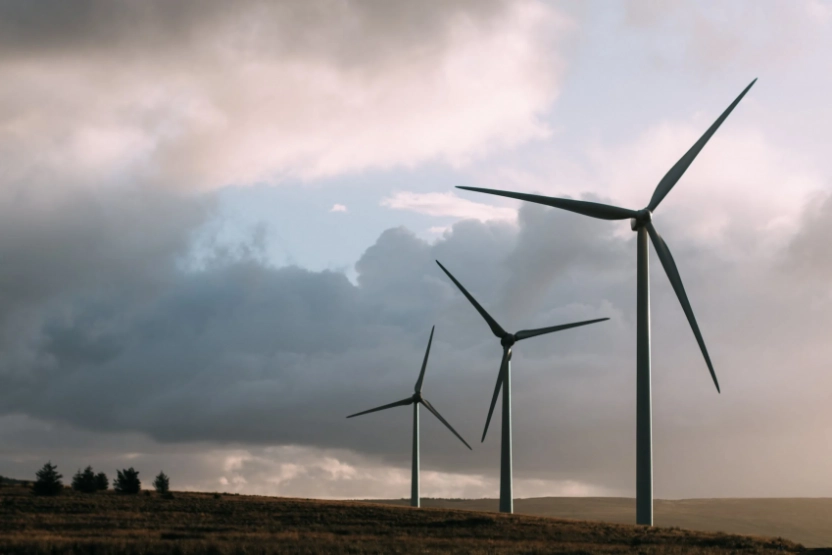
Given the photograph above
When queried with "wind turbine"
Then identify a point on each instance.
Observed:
(507, 340)
(414, 400)
(641, 222)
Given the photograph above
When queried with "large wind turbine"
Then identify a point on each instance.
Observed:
(641, 222)
(414, 400)
(507, 340)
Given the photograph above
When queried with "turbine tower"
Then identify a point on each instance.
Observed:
(641, 222)
(414, 400)
(507, 340)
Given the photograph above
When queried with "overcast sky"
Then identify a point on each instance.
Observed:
(218, 227)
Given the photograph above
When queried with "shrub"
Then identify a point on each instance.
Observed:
(162, 483)
(127, 481)
(49, 481)
(101, 481)
(85, 481)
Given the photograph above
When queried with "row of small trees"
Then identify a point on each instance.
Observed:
(49, 481)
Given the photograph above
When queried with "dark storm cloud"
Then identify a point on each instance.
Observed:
(91, 241)
(552, 249)
(355, 32)
(102, 254)
(234, 351)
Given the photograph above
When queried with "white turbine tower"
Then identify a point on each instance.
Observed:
(414, 400)
(507, 340)
(641, 222)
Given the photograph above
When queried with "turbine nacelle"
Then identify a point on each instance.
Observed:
(643, 217)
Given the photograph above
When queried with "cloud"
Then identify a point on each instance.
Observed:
(713, 37)
(198, 95)
(338, 208)
(448, 204)
(242, 357)
(820, 10)
(808, 252)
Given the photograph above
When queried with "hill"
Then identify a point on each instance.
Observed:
(804, 520)
(107, 523)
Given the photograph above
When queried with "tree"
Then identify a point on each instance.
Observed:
(49, 481)
(101, 482)
(162, 483)
(127, 481)
(85, 481)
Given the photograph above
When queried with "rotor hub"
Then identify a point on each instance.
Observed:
(643, 217)
(508, 340)
(417, 397)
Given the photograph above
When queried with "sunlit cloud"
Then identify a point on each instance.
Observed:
(234, 103)
(448, 204)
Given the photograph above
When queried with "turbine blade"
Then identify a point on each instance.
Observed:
(525, 334)
(676, 281)
(445, 422)
(497, 387)
(402, 403)
(492, 323)
(593, 209)
(676, 172)
(424, 362)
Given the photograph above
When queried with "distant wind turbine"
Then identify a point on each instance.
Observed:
(641, 222)
(414, 400)
(507, 340)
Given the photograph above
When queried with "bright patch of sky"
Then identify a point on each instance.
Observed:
(301, 227)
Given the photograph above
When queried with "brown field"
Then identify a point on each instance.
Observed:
(107, 523)
(804, 520)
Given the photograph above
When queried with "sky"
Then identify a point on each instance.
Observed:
(218, 227)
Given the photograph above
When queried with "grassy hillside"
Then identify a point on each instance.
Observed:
(807, 521)
(107, 523)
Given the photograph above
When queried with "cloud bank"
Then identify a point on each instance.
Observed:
(200, 95)
(243, 354)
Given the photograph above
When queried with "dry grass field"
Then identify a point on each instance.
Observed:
(107, 523)
(807, 521)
